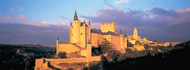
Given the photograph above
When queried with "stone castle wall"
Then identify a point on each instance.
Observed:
(97, 39)
(44, 63)
(116, 41)
(66, 47)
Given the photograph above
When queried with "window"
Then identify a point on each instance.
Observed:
(81, 33)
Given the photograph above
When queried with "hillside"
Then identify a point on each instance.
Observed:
(177, 58)
(22, 56)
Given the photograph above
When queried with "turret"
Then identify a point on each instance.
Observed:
(89, 33)
(89, 23)
(125, 41)
(125, 35)
(84, 21)
(121, 40)
(120, 33)
(57, 45)
(70, 23)
(75, 30)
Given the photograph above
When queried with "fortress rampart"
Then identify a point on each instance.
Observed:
(45, 63)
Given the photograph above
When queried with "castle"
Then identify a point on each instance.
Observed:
(83, 38)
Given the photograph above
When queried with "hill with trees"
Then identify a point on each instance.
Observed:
(22, 57)
(169, 58)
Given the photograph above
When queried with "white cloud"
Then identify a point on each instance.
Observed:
(155, 23)
(183, 10)
(122, 1)
(56, 21)
(22, 19)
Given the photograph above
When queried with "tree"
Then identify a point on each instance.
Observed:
(48, 55)
(154, 40)
(62, 55)
(129, 44)
(137, 43)
(106, 47)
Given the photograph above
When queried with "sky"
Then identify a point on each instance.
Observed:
(42, 21)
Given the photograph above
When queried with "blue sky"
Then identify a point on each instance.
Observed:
(30, 21)
(48, 10)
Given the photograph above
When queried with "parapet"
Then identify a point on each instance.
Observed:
(112, 23)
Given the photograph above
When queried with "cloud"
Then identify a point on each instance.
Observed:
(156, 23)
(164, 12)
(11, 9)
(121, 1)
(16, 8)
(183, 11)
(56, 21)
(22, 19)
(30, 34)
(10, 18)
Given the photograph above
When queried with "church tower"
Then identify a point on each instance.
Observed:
(135, 32)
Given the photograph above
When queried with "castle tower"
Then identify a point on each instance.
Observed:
(120, 33)
(135, 32)
(89, 33)
(83, 34)
(75, 30)
(105, 27)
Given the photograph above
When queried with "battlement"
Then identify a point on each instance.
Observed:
(105, 27)
(112, 23)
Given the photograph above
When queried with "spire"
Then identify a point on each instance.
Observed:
(89, 23)
(125, 35)
(57, 38)
(135, 29)
(135, 32)
(144, 37)
(120, 31)
(70, 23)
(84, 20)
(75, 17)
